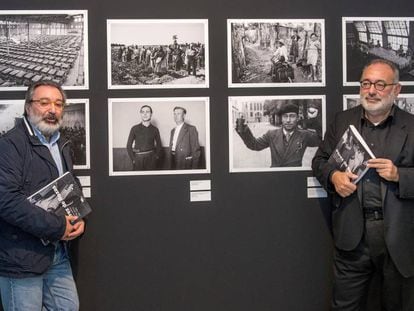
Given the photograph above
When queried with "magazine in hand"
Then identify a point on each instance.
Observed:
(62, 196)
(352, 153)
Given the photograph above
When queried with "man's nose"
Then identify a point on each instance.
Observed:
(372, 89)
(52, 108)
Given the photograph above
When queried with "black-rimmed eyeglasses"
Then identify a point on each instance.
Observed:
(378, 85)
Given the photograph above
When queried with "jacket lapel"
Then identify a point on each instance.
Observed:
(184, 130)
(294, 144)
(397, 138)
(172, 137)
(278, 143)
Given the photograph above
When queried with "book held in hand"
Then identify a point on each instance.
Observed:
(62, 196)
(352, 153)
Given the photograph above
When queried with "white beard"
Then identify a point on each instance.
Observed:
(45, 128)
(381, 106)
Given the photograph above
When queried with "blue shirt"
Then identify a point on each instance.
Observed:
(53, 147)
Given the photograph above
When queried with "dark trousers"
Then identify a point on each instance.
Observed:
(353, 271)
(145, 162)
(191, 65)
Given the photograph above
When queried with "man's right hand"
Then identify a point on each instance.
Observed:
(69, 227)
(240, 125)
(343, 183)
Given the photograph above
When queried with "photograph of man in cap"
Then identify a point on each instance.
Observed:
(287, 143)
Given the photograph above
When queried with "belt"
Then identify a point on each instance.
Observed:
(373, 213)
(143, 152)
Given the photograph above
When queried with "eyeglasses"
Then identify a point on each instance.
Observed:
(47, 103)
(378, 85)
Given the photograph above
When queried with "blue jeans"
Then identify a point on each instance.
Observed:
(53, 290)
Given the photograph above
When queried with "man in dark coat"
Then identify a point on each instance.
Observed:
(287, 144)
(184, 144)
(373, 220)
(34, 274)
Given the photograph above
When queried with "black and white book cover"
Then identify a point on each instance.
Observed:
(62, 196)
(352, 153)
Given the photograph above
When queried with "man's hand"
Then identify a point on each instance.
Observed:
(241, 125)
(73, 231)
(385, 168)
(343, 183)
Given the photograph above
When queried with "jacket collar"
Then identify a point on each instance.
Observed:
(30, 132)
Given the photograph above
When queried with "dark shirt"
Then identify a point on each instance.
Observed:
(376, 138)
(144, 139)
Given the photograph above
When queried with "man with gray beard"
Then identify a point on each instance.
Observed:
(373, 220)
(32, 154)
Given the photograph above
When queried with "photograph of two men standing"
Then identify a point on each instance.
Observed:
(158, 136)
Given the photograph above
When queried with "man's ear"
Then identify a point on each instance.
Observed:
(397, 89)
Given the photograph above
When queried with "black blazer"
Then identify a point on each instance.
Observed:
(397, 198)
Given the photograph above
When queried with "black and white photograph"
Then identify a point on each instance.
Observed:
(368, 38)
(351, 154)
(62, 197)
(276, 52)
(403, 101)
(275, 133)
(75, 126)
(159, 136)
(161, 53)
(40, 45)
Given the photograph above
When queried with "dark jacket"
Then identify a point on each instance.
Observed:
(397, 198)
(187, 149)
(26, 166)
(282, 156)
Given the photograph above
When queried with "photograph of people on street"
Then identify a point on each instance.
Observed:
(157, 54)
(43, 45)
(158, 136)
(368, 38)
(75, 126)
(274, 133)
(403, 101)
(277, 52)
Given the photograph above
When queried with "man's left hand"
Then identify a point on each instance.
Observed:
(385, 168)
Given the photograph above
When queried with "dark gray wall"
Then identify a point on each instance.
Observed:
(260, 244)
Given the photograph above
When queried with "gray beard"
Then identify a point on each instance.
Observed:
(46, 129)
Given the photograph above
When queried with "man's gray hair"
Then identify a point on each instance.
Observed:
(30, 91)
(389, 64)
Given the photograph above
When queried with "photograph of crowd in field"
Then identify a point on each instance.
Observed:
(157, 53)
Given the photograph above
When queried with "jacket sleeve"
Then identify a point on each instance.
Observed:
(158, 145)
(15, 209)
(406, 182)
(131, 138)
(322, 170)
(251, 142)
(195, 147)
